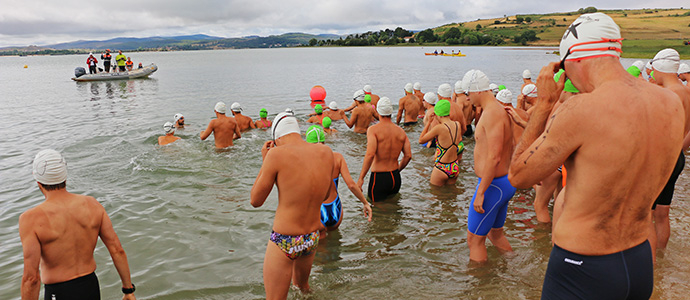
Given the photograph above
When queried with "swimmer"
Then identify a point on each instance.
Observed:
(617, 165)
(243, 122)
(333, 112)
(526, 78)
(179, 120)
(468, 110)
(430, 120)
(456, 112)
(494, 89)
(332, 208)
(665, 65)
(684, 73)
(374, 98)
(303, 174)
(448, 132)
(59, 237)
(493, 148)
(636, 69)
(528, 97)
(224, 129)
(409, 106)
(169, 136)
(385, 142)
(361, 116)
(327, 125)
(262, 122)
(417, 87)
(318, 109)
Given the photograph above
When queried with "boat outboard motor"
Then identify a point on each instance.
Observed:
(79, 71)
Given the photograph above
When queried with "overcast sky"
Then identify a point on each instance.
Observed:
(43, 22)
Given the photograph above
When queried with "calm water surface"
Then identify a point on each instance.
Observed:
(182, 211)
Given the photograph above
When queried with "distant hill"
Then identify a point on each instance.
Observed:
(134, 43)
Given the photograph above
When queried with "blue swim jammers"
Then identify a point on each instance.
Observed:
(495, 206)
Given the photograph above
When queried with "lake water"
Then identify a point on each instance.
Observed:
(182, 211)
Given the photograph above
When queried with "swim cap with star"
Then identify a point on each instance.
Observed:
(589, 36)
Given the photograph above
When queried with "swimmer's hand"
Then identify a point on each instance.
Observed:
(129, 297)
(360, 182)
(549, 90)
(516, 118)
(478, 203)
(264, 149)
(367, 210)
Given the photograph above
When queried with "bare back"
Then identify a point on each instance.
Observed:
(303, 185)
(67, 230)
(223, 129)
(494, 141)
(245, 123)
(409, 105)
(390, 142)
(363, 117)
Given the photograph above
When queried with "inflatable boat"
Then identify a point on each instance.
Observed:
(80, 74)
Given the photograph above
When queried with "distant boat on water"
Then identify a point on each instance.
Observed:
(80, 74)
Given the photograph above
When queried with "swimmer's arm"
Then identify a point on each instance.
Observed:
(400, 112)
(427, 135)
(407, 154)
(31, 247)
(264, 181)
(351, 121)
(357, 191)
(686, 141)
(117, 253)
(374, 113)
(368, 157)
(352, 106)
(204, 134)
(252, 125)
(237, 134)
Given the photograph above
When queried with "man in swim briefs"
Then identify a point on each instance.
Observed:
(665, 65)
(616, 164)
(408, 105)
(243, 122)
(224, 128)
(60, 235)
(303, 184)
(361, 116)
(493, 148)
(385, 142)
(262, 122)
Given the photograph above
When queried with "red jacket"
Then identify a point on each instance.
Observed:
(91, 61)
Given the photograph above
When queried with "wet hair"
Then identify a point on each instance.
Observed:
(54, 187)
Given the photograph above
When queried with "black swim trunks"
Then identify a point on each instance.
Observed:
(410, 123)
(82, 288)
(383, 185)
(468, 131)
(667, 193)
(628, 274)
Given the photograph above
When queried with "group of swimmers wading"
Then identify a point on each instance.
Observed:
(583, 117)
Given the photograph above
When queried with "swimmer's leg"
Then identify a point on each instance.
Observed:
(544, 192)
(277, 272)
(477, 247)
(662, 225)
(499, 240)
(438, 178)
(652, 238)
(301, 268)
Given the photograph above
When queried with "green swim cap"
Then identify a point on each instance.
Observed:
(442, 108)
(367, 98)
(501, 87)
(263, 113)
(315, 134)
(569, 87)
(318, 109)
(652, 75)
(634, 71)
(326, 122)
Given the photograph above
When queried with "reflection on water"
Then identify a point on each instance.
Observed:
(182, 211)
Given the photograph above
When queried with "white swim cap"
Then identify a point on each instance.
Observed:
(458, 87)
(683, 68)
(526, 74)
(333, 105)
(284, 123)
(494, 88)
(358, 96)
(444, 90)
(236, 107)
(666, 61)
(417, 86)
(591, 35)
(639, 64)
(220, 107)
(168, 127)
(408, 88)
(384, 107)
(505, 96)
(367, 88)
(475, 81)
(289, 110)
(648, 65)
(49, 167)
(431, 98)
(530, 90)
(177, 117)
